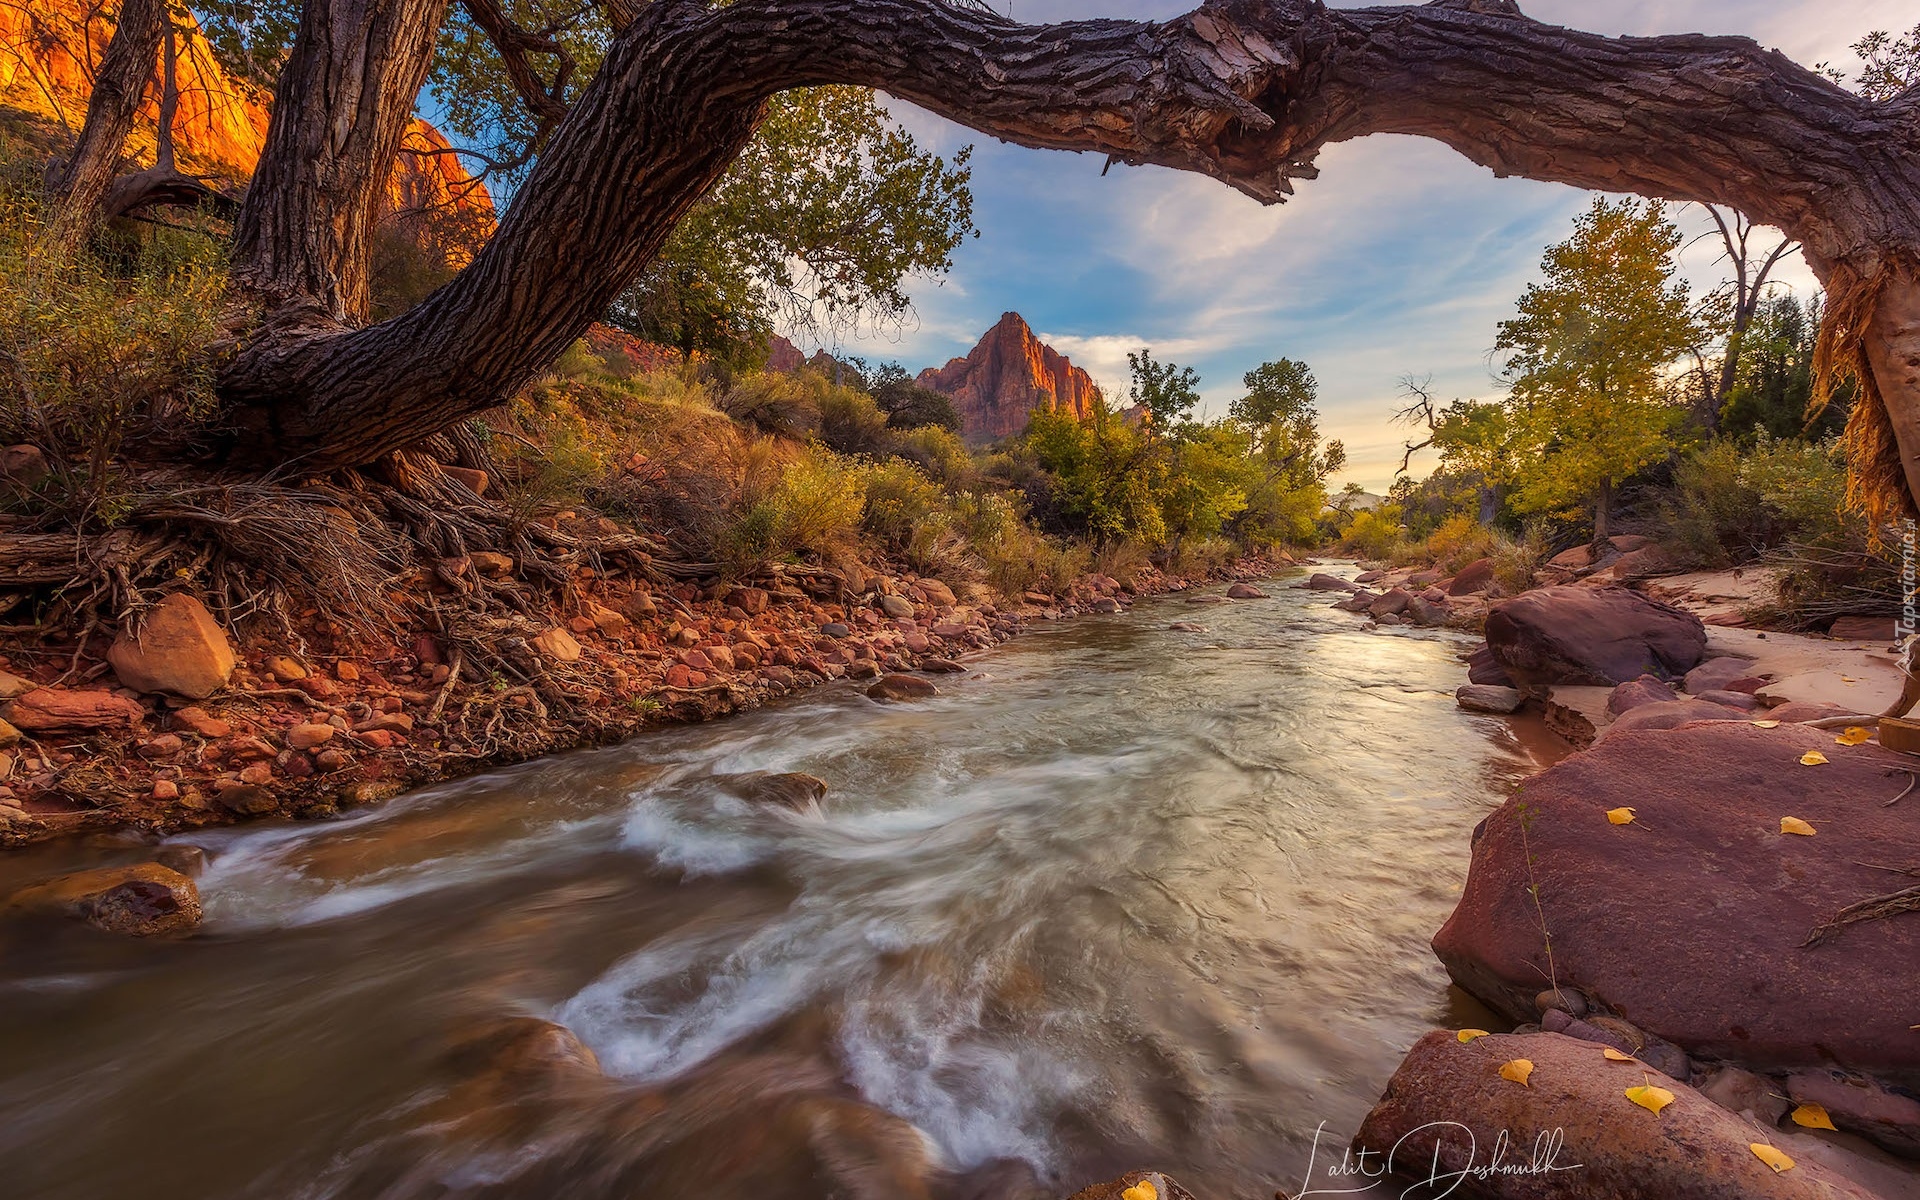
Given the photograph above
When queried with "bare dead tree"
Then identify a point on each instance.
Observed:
(1743, 295)
(1420, 412)
(1245, 91)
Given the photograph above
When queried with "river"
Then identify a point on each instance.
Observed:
(1124, 895)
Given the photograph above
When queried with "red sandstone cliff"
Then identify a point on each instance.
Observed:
(49, 50)
(1010, 374)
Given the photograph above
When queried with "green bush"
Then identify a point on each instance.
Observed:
(98, 355)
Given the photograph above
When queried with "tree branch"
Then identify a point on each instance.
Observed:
(1244, 91)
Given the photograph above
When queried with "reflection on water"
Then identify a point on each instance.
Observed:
(1133, 895)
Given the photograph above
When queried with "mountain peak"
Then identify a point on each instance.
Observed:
(1007, 377)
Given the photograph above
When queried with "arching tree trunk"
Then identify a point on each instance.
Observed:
(118, 88)
(1245, 91)
(303, 243)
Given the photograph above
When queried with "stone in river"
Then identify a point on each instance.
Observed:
(1486, 698)
(142, 900)
(1447, 1106)
(902, 687)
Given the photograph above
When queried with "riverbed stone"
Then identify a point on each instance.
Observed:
(897, 607)
(1487, 698)
(902, 687)
(1572, 1114)
(1482, 667)
(1321, 582)
(1672, 714)
(178, 648)
(142, 900)
(1860, 1104)
(558, 645)
(1245, 591)
(1635, 692)
(1474, 578)
(1691, 920)
(790, 789)
(1594, 636)
(71, 710)
(1164, 1188)
(1716, 673)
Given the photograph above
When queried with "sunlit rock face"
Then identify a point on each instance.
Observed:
(1009, 375)
(50, 50)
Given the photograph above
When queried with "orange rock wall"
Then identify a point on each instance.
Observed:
(1008, 376)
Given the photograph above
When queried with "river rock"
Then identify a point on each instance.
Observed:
(790, 789)
(897, 607)
(1359, 602)
(1330, 583)
(178, 648)
(1245, 591)
(1474, 578)
(1163, 1187)
(1745, 702)
(1689, 921)
(141, 900)
(558, 645)
(1716, 673)
(1672, 714)
(1861, 1105)
(1187, 627)
(1447, 1107)
(1486, 698)
(1391, 604)
(902, 687)
(1482, 667)
(1424, 612)
(1369, 576)
(1862, 629)
(1635, 692)
(1596, 636)
(64, 710)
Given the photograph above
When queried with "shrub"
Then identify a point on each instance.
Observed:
(98, 355)
(1374, 535)
(1459, 540)
(779, 403)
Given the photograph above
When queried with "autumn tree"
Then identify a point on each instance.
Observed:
(1166, 392)
(1587, 358)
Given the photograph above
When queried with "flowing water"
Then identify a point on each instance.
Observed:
(1125, 896)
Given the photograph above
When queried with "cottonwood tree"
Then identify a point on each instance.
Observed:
(1242, 91)
(1588, 351)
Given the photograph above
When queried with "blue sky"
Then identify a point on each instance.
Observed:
(1400, 259)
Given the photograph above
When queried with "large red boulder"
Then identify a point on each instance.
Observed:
(178, 648)
(1691, 921)
(1448, 1117)
(1592, 636)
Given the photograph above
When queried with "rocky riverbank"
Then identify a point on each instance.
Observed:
(183, 724)
(1700, 925)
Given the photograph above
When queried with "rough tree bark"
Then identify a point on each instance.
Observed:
(118, 88)
(1244, 91)
(303, 242)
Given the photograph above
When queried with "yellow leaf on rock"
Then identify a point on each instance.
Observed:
(1771, 1156)
(1467, 1035)
(1795, 825)
(1813, 1116)
(1651, 1098)
(1765, 724)
(1517, 1070)
(1812, 758)
(1853, 735)
(1620, 816)
(1144, 1190)
(1612, 1055)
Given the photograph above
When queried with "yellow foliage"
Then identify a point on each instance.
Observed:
(1467, 1035)
(1519, 1070)
(1772, 1156)
(1796, 826)
(1813, 1116)
(1651, 1098)
(1620, 816)
(1853, 735)
(1812, 758)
